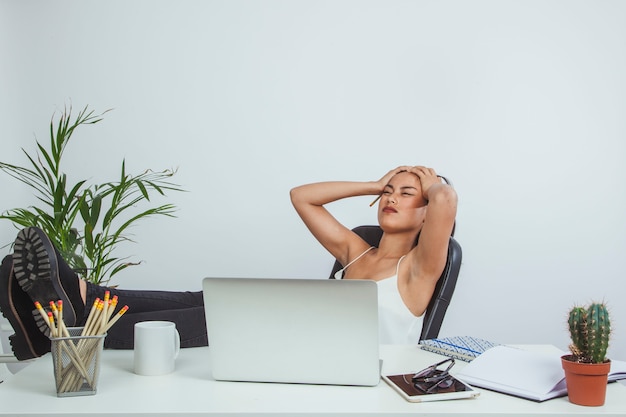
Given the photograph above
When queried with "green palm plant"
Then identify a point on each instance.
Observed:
(86, 222)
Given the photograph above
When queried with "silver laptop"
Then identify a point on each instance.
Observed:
(309, 331)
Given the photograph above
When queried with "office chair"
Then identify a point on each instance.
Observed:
(436, 310)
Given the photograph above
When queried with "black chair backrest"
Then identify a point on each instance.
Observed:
(438, 305)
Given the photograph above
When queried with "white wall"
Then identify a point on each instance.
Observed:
(521, 103)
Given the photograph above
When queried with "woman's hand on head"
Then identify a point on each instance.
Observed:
(428, 177)
(387, 177)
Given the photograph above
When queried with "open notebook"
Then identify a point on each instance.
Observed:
(312, 331)
(534, 375)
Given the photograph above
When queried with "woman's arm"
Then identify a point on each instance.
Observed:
(428, 258)
(309, 201)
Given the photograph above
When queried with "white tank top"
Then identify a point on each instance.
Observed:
(396, 324)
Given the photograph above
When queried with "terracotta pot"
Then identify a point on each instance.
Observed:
(586, 382)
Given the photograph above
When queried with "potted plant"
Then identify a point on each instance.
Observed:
(587, 368)
(85, 222)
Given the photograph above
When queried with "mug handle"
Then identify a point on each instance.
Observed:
(177, 342)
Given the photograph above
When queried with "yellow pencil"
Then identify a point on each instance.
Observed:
(60, 318)
(55, 312)
(63, 328)
(92, 313)
(112, 306)
(105, 308)
(53, 330)
(42, 312)
(114, 319)
(53, 308)
(95, 322)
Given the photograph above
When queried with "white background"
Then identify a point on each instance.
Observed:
(521, 103)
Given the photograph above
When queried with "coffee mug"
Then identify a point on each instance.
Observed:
(157, 344)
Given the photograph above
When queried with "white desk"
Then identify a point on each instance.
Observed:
(190, 390)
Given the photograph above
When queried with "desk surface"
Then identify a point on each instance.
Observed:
(191, 390)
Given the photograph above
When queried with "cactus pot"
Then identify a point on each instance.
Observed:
(586, 382)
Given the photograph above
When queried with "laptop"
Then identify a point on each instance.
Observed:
(304, 331)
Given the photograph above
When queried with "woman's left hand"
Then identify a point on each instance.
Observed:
(428, 177)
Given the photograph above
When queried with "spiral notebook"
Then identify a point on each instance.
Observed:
(465, 348)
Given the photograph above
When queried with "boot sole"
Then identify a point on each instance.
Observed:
(23, 347)
(36, 270)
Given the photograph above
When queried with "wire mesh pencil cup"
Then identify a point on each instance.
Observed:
(76, 362)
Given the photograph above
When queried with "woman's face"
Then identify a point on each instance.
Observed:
(402, 204)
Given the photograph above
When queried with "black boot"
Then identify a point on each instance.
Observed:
(45, 276)
(28, 342)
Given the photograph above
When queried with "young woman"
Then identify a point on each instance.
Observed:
(413, 200)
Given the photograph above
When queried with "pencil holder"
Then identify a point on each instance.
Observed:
(76, 362)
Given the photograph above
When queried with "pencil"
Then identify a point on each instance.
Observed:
(112, 306)
(91, 315)
(116, 318)
(53, 330)
(42, 312)
(95, 321)
(55, 313)
(374, 202)
(105, 308)
(62, 327)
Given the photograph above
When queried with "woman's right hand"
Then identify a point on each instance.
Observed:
(387, 177)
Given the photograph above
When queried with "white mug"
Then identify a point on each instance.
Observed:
(157, 344)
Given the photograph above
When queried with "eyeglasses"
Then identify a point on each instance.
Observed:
(434, 377)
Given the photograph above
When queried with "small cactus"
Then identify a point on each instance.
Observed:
(590, 329)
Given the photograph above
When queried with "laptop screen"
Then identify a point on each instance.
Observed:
(316, 331)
